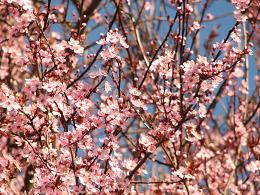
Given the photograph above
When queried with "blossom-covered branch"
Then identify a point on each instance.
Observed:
(129, 97)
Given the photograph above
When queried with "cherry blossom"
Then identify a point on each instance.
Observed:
(123, 97)
(74, 45)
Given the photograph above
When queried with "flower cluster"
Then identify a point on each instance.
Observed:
(111, 40)
(141, 110)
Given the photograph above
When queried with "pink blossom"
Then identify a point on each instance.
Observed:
(202, 110)
(138, 103)
(109, 53)
(134, 92)
(181, 174)
(74, 45)
(143, 111)
(107, 87)
(148, 142)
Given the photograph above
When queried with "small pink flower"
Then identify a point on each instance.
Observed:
(134, 92)
(138, 103)
(122, 41)
(74, 45)
(109, 53)
(202, 110)
(148, 142)
(104, 155)
(196, 25)
(210, 16)
(97, 74)
(151, 148)
(107, 87)
(102, 41)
